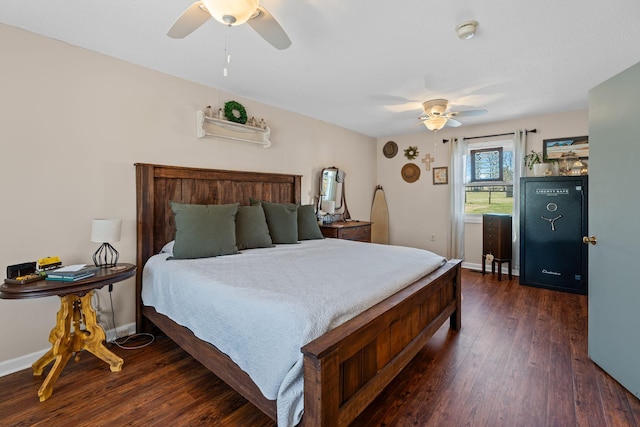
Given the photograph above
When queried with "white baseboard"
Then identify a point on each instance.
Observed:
(123, 331)
(24, 362)
(19, 363)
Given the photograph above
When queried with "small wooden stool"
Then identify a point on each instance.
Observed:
(499, 261)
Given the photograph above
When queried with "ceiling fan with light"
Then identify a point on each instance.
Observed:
(231, 13)
(436, 116)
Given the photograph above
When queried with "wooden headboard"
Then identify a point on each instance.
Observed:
(157, 185)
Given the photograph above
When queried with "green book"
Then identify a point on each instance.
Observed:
(57, 278)
(73, 271)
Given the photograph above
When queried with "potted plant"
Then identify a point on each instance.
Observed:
(533, 161)
(532, 158)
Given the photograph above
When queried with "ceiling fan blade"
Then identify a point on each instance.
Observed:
(190, 20)
(453, 123)
(268, 28)
(468, 113)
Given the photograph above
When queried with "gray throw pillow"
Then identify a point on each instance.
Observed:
(308, 228)
(251, 228)
(282, 220)
(204, 230)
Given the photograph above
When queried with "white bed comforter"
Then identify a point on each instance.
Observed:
(261, 306)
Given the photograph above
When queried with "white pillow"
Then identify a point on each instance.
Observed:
(168, 248)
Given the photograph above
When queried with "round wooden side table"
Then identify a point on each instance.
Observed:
(75, 310)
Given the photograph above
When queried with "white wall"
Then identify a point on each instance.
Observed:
(416, 210)
(73, 123)
(420, 209)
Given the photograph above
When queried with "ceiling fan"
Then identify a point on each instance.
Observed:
(231, 13)
(436, 116)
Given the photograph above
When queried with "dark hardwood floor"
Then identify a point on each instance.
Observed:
(519, 360)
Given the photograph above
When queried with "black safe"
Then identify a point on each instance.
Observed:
(553, 220)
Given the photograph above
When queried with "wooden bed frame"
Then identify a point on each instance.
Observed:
(344, 369)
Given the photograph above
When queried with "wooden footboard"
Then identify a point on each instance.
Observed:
(345, 369)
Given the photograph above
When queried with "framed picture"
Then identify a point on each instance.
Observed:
(441, 175)
(553, 149)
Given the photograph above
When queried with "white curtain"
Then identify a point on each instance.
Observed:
(519, 149)
(456, 240)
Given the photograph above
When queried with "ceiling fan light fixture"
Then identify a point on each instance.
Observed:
(435, 123)
(231, 12)
(467, 30)
(435, 106)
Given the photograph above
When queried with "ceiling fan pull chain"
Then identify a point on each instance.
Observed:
(227, 50)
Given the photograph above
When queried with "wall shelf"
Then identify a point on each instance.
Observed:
(208, 126)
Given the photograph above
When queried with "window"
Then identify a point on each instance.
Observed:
(486, 164)
(489, 178)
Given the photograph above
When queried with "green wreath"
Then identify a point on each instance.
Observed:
(411, 153)
(235, 112)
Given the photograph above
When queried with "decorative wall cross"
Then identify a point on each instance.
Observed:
(427, 161)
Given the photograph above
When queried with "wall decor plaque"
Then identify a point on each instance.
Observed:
(441, 175)
(555, 149)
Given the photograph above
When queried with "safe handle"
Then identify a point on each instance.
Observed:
(586, 240)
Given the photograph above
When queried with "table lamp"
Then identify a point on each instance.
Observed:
(105, 231)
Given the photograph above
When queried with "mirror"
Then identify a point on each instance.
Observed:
(332, 195)
(331, 180)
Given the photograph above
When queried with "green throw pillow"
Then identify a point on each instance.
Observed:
(251, 228)
(204, 230)
(282, 220)
(308, 228)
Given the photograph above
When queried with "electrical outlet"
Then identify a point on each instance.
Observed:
(433, 237)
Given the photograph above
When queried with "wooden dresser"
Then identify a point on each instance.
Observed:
(351, 230)
(496, 241)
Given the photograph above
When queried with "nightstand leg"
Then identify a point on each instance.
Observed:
(93, 337)
(46, 389)
(61, 339)
(76, 309)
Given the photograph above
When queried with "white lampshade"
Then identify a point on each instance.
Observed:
(231, 12)
(106, 230)
(435, 123)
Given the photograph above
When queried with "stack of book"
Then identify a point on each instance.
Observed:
(72, 273)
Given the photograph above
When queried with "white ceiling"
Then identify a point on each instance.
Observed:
(367, 65)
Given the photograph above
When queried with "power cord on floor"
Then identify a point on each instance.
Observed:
(120, 343)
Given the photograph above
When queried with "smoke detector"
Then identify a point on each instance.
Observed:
(467, 29)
